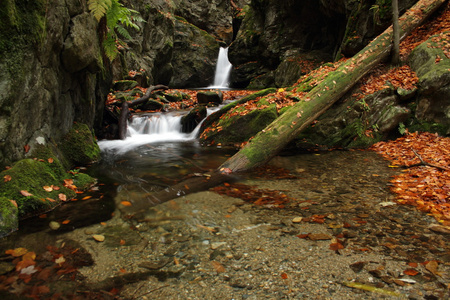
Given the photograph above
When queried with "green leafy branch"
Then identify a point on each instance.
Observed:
(118, 17)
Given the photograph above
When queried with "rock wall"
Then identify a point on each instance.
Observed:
(278, 41)
(51, 73)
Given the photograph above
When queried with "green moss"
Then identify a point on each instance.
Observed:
(22, 24)
(8, 217)
(83, 181)
(79, 145)
(31, 176)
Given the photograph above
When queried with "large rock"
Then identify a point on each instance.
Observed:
(41, 97)
(194, 56)
(81, 46)
(234, 124)
(432, 66)
(213, 16)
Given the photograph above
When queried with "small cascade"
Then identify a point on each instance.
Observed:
(150, 129)
(223, 69)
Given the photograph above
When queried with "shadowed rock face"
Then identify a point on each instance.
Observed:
(275, 37)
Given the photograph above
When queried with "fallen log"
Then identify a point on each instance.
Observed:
(270, 141)
(125, 111)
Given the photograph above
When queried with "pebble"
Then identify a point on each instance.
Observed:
(297, 220)
(216, 245)
(54, 225)
(98, 237)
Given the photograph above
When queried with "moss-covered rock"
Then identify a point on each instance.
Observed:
(234, 127)
(429, 61)
(9, 218)
(79, 145)
(206, 97)
(124, 85)
(35, 186)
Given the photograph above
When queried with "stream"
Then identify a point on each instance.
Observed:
(320, 223)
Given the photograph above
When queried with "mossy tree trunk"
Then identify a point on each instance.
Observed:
(267, 143)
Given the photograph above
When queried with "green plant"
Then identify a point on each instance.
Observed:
(401, 128)
(118, 17)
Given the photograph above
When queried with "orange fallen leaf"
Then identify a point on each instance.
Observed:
(410, 272)
(86, 198)
(336, 246)
(218, 266)
(284, 276)
(65, 222)
(17, 251)
(29, 256)
(62, 197)
(126, 203)
(48, 188)
(7, 178)
(25, 193)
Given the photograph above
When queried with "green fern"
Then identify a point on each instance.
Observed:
(99, 7)
(117, 18)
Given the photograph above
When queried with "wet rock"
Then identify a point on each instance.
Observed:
(214, 97)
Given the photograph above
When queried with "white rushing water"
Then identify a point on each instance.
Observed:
(149, 129)
(223, 69)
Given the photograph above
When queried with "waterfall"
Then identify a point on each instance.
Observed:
(223, 69)
(152, 128)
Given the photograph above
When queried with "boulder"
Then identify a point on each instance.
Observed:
(79, 146)
(194, 56)
(210, 97)
(432, 66)
(81, 46)
(193, 118)
(233, 128)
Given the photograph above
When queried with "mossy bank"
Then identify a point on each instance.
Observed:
(43, 181)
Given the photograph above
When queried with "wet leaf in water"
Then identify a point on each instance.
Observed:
(218, 266)
(410, 272)
(17, 252)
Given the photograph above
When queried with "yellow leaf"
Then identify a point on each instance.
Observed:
(17, 252)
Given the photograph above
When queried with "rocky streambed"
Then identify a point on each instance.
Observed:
(333, 232)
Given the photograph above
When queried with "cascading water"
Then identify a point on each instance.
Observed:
(150, 129)
(165, 127)
(223, 69)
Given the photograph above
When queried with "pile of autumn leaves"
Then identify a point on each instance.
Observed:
(425, 180)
